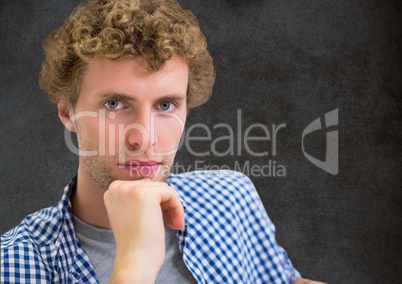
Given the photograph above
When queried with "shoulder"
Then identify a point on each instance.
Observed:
(24, 261)
(38, 229)
(28, 250)
(227, 223)
(218, 191)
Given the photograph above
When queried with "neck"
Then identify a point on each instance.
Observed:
(87, 201)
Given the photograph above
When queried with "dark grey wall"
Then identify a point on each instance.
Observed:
(279, 62)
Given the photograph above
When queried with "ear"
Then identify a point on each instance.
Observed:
(65, 112)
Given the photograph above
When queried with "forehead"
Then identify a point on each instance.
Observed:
(129, 76)
(136, 65)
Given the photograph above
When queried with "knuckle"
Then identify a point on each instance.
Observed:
(114, 184)
(140, 193)
(106, 196)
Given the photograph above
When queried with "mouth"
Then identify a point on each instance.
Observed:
(141, 168)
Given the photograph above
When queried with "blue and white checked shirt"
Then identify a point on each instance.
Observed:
(228, 237)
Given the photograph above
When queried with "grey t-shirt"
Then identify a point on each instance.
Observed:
(101, 250)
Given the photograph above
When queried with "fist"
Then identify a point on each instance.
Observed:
(135, 211)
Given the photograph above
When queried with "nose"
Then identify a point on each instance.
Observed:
(139, 134)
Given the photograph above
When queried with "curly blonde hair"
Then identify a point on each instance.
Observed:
(154, 30)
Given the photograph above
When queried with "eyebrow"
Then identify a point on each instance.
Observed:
(116, 96)
(124, 97)
(169, 98)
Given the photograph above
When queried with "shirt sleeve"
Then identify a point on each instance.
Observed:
(273, 259)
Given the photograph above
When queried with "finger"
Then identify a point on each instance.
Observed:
(172, 208)
(175, 218)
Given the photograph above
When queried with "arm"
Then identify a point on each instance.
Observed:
(135, 210)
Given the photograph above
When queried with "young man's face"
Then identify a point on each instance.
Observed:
(129, 122)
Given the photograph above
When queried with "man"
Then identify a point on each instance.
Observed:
(124, 75)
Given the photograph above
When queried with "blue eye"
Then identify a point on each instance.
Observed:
(114, 104)
(166, 106)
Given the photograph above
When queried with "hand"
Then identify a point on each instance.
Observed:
(135, 211)
(306, 281)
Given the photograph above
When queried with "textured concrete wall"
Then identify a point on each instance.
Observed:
(278, 62)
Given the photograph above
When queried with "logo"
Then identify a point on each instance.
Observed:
(331, 162)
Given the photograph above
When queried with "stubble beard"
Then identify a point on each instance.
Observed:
(100, 169)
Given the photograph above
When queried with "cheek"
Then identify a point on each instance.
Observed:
(98, 133)
(112, 136)
(87, 129)
(168, 130)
